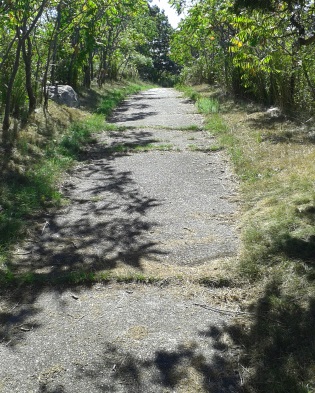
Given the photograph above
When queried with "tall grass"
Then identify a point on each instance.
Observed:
(208, 105)
(205, 105)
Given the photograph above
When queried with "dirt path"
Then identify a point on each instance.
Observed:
(151, 198)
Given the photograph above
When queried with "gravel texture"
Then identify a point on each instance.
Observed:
(154, 193)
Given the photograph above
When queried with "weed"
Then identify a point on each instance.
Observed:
(22, 195)
(136, 148)
(22, 145)
(217, 125)
(189, 92)
(215, 148)
(193, 147)
(135, 277)
(208, 105)
(205, 105)
(212, 148)
(192, 127)
(97, 198)
(9, 279)
(220, 282)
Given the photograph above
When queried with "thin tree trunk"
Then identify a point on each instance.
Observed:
(27, 57)
(6, 54)
(309, 82)
(52, 54)
(7, 109)
(55, 45)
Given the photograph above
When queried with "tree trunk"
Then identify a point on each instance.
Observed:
(55, 46)
(27, 57)
(51, 57)
(87, 76)
(7, 109)
(309, 82)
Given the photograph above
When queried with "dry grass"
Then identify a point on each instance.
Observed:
(274, 159)
(42, 129)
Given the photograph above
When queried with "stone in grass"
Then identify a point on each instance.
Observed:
(274, 112)
(63, 95)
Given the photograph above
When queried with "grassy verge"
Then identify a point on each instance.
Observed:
(274, 161)
(113, 97)
(30, 185)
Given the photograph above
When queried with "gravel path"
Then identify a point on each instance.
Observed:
(153, 197)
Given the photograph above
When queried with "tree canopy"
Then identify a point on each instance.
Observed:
(260, 49)
(46, 42)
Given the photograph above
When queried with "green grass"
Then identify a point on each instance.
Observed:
(208, 105)
(215, 148)
(205, 105)
(11, 280)
(136, 278)
(217, 126)
(138, 148)
(72, 142)
(189, 92)
(220, 282)
(205, 149)
(192, 147)
(115, 96)
(191, 127)
(22, 195)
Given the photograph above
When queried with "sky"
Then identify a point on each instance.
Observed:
(169, 11)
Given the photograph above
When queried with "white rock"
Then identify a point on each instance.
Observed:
(63, 95)
(274, 112)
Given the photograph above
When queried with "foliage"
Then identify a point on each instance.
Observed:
(48, 42)
(261, 50)
(156, 48)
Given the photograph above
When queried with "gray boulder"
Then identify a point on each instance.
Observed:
(63, 95)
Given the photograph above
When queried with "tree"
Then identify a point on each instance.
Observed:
(22, 19)
(263, 48)
(60, 41)
(157, 48)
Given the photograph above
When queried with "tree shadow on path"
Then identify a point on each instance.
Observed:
(103, 225)
(185, 368)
